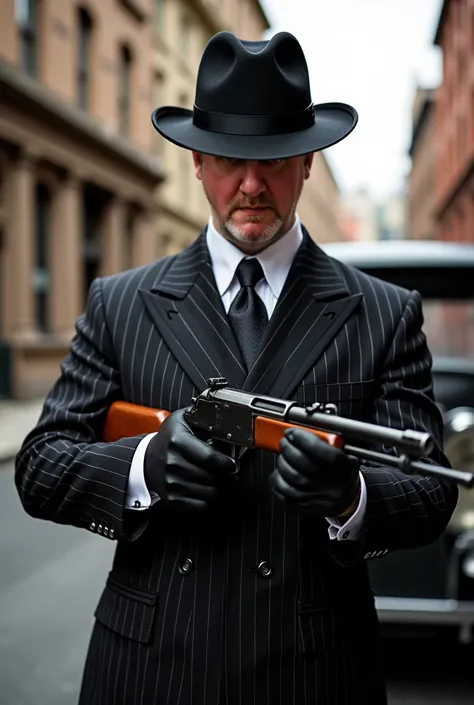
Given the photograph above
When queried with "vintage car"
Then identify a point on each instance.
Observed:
(433, 587)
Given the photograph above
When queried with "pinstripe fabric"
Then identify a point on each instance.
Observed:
(221, 634)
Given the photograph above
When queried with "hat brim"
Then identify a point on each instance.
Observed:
(333, 122)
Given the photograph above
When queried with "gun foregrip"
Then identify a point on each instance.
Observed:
(269, 432)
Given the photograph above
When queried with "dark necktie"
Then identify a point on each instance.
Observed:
(247, 314)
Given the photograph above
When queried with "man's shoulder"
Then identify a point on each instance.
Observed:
(143, 277)
(371, 286)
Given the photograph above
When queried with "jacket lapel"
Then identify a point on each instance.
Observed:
(186, 308)
(312, 308)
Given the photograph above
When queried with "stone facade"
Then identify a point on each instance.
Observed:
(78, 184)
(87, 187)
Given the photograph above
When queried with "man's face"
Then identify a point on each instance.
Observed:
(253, 203)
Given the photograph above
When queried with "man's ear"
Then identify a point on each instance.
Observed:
(197, 159)
(308, 162)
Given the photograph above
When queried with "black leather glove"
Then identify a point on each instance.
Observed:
(314, 478)
(182, 469)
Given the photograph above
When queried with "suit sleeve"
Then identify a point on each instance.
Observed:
(63, 472)
(404, 510)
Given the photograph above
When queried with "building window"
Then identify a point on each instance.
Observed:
(42, 241)
(26, 12)
(84, 59)
(124, 90)
(93, 202)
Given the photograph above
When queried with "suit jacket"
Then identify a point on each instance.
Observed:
(247, 604)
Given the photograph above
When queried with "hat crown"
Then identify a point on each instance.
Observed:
(241, 77)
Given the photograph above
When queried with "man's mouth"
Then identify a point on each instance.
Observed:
(253, 209)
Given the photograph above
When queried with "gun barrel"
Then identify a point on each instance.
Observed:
(408, 441)
(462, 477)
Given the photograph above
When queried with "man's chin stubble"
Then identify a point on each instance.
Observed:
(269, 234)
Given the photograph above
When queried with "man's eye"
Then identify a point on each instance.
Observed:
(231, 160)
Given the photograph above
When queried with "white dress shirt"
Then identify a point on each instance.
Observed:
(276, 262)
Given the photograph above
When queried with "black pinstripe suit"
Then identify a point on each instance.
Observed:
(221, 633)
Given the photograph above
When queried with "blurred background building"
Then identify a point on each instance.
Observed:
(421, 202)
(78, 179)
(441, 191)
(454, 122)
(320, 203)
(359, 215)
(87, 187)
(365, 218)
(441, 181)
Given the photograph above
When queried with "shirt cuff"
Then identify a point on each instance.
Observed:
(138, 496)
(351, 529)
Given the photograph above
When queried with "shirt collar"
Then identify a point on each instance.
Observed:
(276, 259)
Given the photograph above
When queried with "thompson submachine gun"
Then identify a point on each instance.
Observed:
(244, 419)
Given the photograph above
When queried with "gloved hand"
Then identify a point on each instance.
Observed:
(314, 478)
(182, 469)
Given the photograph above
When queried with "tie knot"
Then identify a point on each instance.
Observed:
(249, 272)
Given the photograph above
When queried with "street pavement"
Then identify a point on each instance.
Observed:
(50, 580)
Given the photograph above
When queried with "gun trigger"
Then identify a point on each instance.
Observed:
(234, 454)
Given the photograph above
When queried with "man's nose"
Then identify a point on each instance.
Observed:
(253, 183)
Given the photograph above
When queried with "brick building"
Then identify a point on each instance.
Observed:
(78, 184)
(421, 196)
(454, 123)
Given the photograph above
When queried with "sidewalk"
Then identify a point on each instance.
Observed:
(17, 418)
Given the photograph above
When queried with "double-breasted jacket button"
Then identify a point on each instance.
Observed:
(376, 554)
(264, 570)
(186, 566)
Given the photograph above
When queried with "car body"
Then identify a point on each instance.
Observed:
(434, 585)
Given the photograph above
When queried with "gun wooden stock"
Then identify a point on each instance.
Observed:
(125, 419)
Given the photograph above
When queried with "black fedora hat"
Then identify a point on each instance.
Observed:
(253, 101)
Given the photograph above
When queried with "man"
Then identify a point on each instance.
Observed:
(246, 587)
